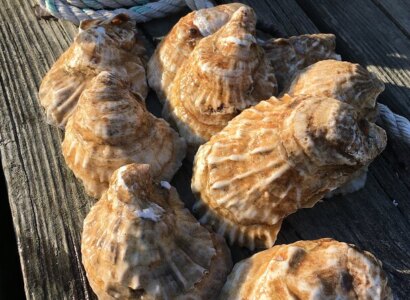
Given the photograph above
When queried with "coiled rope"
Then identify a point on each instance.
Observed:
(141, 11)
(397, 127)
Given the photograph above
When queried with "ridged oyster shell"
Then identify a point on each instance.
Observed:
(110, 128)
(101, 45)
(225, 73)
(319, 269)
(175, 48)
(345, 81)
(139, 242)
(288, 56)
(275, 158)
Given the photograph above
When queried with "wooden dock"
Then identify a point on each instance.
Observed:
(48, 204)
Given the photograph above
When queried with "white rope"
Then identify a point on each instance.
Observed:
(141, 11)
(396, 126)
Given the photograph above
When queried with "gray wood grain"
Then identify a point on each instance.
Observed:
(48, 205)
(398, 11)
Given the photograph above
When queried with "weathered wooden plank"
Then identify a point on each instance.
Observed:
(47, 204)
(398, 12)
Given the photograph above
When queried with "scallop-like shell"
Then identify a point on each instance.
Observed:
(139, 242)
(175, 48)
(319, 269)
(101, 45)
(288, 56)
(226, 73)
(275, 158)
(110, 128)
(345, 81)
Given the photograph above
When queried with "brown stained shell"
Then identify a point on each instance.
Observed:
(101, 45)
(139, 242)
(345, 81)
(288, 56)
(275, 158)
(226, 73)
(110, 128)
(175, 48)
(319, 269)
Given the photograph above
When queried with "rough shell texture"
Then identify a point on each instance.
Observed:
(110, 128)
(226, 73)
(179, 43)
(139, 242)
(275, 158)
(320, 269)
(109, 45)
(287, 56)
(345, 81)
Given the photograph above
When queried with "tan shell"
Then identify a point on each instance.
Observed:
(108, 45)
(226, 73)
(139, 242)
(179, 43)
(275, 158)
(320, 269)
(288, 56)
(345, 81)
(110, 128)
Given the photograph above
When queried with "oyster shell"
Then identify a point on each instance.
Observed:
(225, 73)
(110, 128)
(275, 158)
(345, 81)
(175, 48)
(101, 45)
(139, 242)
(288, 56)
(319, 269)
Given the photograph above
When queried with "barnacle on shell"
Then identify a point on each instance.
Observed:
(111, 127)
(275, 158)
(101, 45)
(225, 73)
(139, 242)
(175, 48)
(288, 56)
(342, 80)
(319, 269)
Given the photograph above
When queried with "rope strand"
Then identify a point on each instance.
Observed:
(396, 126)
(141, 11)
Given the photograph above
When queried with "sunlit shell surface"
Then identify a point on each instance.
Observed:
(345, 81)
(275, 158)
(139, 242)
(319, 269)
(179, 43)
(226, 73)
(110, 128)
(108, 45)
(287, 56)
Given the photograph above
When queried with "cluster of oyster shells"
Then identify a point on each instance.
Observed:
(96, 91)
(279, 124)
